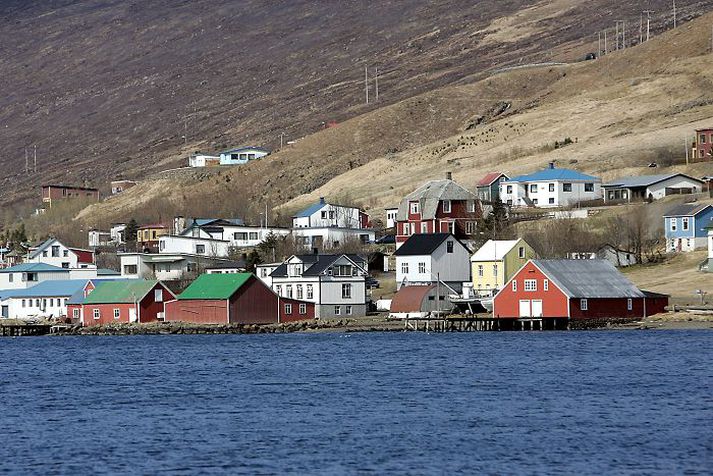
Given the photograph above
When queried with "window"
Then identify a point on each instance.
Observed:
(480, 270)
(343, 270)
(446, 206)
(299, 291)
(303, 308)
(406, 228)
(583, 305)
(672, 224)
(44, 304)
(495, 270)
(551, 187)
(44, 253)
(470, 227)
(278, 290)
(404, 268)
(521, 252)
(348, 310)
(55, 251)
(158, 295)
(253, 235)
(546, 285)
(130, 269)
(424, 227)
(471, 206)
(534, 201)
(75, 313)
(310, 292)
(551, 200)
(23, 303)
(449, 247)
(514, 285)
(240, 236)
(65, 253)
(629, 304)
(52, 303)
(331, 214)
(65, 265)
(346, 291)
(703, 138)
(288, 308)
(337, 310)
(422, 268)
(509, 189)
(117, 313)
(11, 277)
(200, 249)
(685, 223)
(533, 188)
(97, 314)
(414, 207)
(530, 285)
(32, 276)
(588, 187)
(324, 214)
(288, 291)
(566, 187)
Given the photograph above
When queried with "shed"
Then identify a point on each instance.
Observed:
(133, 300)
(421, 300)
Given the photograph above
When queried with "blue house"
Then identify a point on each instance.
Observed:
(242, 155)
(686, 227)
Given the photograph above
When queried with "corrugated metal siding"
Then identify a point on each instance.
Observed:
(603, 308)
(254, 303)
(202, 311)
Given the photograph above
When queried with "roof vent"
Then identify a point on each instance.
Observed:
(449, 175)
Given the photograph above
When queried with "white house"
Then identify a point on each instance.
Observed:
(233, 231)
(164, 266)
(177, 244)
(617, 257)
(550, 187)
(427, 258)
(242, 155)
(99, 238)
(203, 160)
(391, 217)
(43, 300)
(26, 275)
(54, 253)
(227, 267)
(650, 187)
(326, 225)
(328, 237)
(335, 283)
(117, 233)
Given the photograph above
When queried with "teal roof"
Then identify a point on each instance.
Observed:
(215, 286)
(33, 267)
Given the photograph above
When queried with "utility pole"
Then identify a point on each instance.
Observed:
(685, 141)
(641, 28)
(282, 135)
(366, 83)
(27, 163)
(674, 13)
(35, 159)
(606, 51)
(617, 35)
(648, 23)
(599, 45)
(376, 83)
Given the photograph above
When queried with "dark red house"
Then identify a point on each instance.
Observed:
(703, 144)
(130, 300)
(563, 290)
(53, 193)
(235, 298)
(439, 206)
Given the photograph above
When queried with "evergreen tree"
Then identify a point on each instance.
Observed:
(130, 231)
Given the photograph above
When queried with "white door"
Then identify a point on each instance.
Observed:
(537, 308)
(525, 308)
(132, 314)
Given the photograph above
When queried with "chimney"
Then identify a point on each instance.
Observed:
(449, 175)
(321, 200)
(551, 165)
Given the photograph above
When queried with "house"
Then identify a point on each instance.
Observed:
(551, 187)
(47, 299)
(650, 187)
(165, 266)
(702, 147)
(439, 206)
(226, 267)
(98, 238)
(134, 300)
(75, 301)
(117, 233)
(235, 298)
(203, 160)
(242, 155)
(421, 300)
(496, 262)
(118, 186)
(54, 193)
(617, 257)
(54, 253)
(178, 244)
(558, 291)
(233, 230)
(335, 283)
(326, 225)
(329, 237)
(25, 275)
(147, 237)
(488, 187)
(429, 258)
(391, 216)
(264, 270)
(685, 227)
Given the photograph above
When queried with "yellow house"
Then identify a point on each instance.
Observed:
(496, 262)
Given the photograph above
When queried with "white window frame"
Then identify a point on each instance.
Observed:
(685, 223)
(422, 267)
(480, 271)
(521, 252)
(413, 207)
(407, 228)
(348, 310)
(75, 313)
(424, 227)
(288, 308)
(117, 314)
(310, 292)
(530, 285)
(446, 209)
(404, 267)
(158, 295)
(495, 270)
(337, 310)
(583, 305)
(546, 285)
(346, 291)
(303, 308)
(514, 285)
(673, 226)
(629, 304)
(97, 314)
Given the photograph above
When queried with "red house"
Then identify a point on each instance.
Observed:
(558, 291)
(439, 206)
(53, 193)
(235, 298)
(703, 144)
(131, 300)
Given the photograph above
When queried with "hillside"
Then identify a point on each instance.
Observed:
(624, 111)
(109, 88)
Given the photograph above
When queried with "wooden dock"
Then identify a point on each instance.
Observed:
(20, 330)
(478, 324)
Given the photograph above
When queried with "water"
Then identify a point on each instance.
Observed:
(394, 403)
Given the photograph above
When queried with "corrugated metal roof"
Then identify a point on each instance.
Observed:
(428, 196)
(310, 210)
(423, 244)
(644, 180)
(686, 210)
(318, 263)
(553, 174)
(588, 278)
(53, 288)
(34, 268)
(490, 178)
(128, 291)
(215, 286)
(410, 298)
(494, 250)
(247, 147)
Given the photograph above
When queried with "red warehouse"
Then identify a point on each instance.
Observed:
(558, 291)
(131, 300)
(235, 298)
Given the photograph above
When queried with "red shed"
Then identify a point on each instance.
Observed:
(573, 289)
(235, 298)
(131, 300)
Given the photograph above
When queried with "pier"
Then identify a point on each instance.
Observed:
(484, 323)
(20, 330)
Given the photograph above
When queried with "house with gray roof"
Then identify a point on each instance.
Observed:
(650, 187)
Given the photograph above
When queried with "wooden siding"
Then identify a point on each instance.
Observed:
(507, 302)
(201, 311)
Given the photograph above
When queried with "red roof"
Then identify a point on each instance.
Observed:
(490, 178)
(409, 298)
(83, 256)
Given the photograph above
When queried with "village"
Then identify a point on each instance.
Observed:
(515, 253)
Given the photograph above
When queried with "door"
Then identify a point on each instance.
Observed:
(537, 308)
(132, 314)
(5, 313)
(525, 308)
